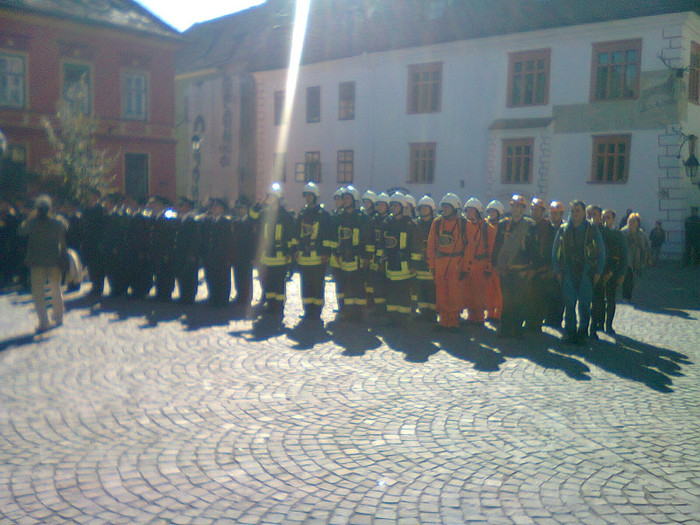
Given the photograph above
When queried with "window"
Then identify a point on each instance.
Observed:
(694, 78)
(616, 70)
(346, 102)
(422, 163)
(346, 165)
(12, 80)
(313, 104)
(77, 86)
(516, 167)
(279, 107)
(136, 175)
(312, 166)
(279, 167)
(528, 78)
(424, 86)
(611, 155)
(134, 86)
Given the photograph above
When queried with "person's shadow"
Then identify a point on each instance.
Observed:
(414, 341)
(354, 338)
(307, 334)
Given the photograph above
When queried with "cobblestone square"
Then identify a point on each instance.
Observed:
(143, 412)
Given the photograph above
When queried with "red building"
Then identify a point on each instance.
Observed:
(123, 53)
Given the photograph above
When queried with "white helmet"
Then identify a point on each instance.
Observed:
(370, 196)
(311, 188)
(339, 192)
(425, 200)
(382, 197)
(275, 190)
(475, 203)
(452, 200)
(398, 197)
(496, 205)
(410, 199)
(351, 190)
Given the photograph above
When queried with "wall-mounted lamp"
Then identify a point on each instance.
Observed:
(691, 164)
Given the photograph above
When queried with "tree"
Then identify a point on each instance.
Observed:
(76, 165)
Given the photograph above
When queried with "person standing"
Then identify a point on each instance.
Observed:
(424, 282)
(217, 237)
(245, 241)
(447, 243)
(542, 273)
(477, 260)
(186, 250)
(578, 258)
(512, 257)
(554, 315)
(377, 279)
(46, 242)
(691, 253)
(313, 232)
(278, 241)
(615, 266)
(637, 253)
(494, 213)
(94, 221)
(657, 238)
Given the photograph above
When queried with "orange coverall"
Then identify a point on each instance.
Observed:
(477, 265)
(446, 243)
(493, 283)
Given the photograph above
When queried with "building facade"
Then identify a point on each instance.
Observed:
(124, 58)
(589, 103)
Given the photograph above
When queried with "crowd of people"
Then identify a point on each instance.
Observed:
(388, 254)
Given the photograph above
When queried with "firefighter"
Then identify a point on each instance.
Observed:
(351, 242)
(542, 275)
(410, 208)
(477, 262)
(377, 279)
(162, 250)
(494, 213)
(333, 261)
(313, 232)
(512, 254)
(424, 282)
(245, 240)
(578, 258)
(186, 250)
(556, 214)
(398, 250)
(447, 242)
(278, 241)
(368, 200)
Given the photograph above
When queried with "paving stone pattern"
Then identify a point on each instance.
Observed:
(139, 412)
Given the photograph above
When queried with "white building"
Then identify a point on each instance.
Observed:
(562, 109)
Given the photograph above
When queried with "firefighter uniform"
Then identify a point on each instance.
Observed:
(352, 244)
(423, 281)
(447, 242)
(477, 263)
(217, 247)
(186, 253)
(278, 241)
(398, 251)
(377, 281)
(162, 246)
(494, 210)
(313, 233)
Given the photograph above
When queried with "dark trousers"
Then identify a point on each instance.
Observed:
(598, 306)
(243, 280)
(165, 281)
(116, 272)
(554, 303)
(353, 291)
(142, 278)
(514, 293)
(187, 281)
(539, 292)
(312, 289)
(96, 271)
(398, 299)
(274, 280)
(218, 277)
(379, 287)
(610, 300)
(425, 289)
(628, 284)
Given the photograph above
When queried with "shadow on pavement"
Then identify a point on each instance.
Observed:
(414, 342)
(354, 338)
(631, 359)
(670, 289)
(306, 335)
(18, 340)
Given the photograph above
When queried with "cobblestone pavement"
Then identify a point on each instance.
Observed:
(138, 412)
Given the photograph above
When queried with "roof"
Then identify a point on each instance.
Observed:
(260, 37)
(119, 14)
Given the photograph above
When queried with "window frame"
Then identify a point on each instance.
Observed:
(608, 139)
(309, 166)
(534, 55)
(130, 73)
(90, 83)
(346, 105)
(278, 111)
(313, 106)
(23, 89)
(515, 142)
(694, 74)
(342, 166)
(417, 156)
(416, 90)
(611, 47)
